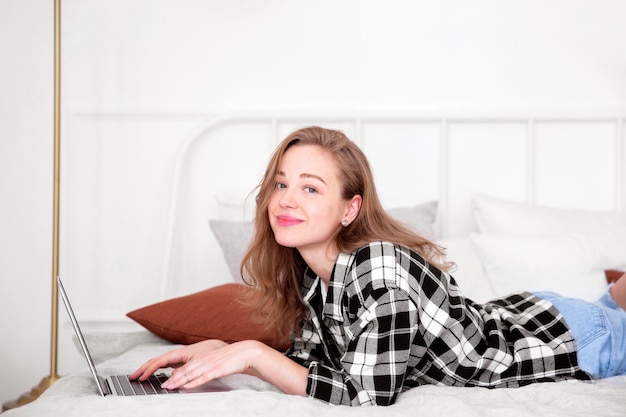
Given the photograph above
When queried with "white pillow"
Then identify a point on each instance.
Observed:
(468, 273)
(235, 208)
(605, 229)
(566, 264)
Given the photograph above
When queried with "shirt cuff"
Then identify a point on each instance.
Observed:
(327, 385)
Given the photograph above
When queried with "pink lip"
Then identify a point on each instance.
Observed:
(287, 221)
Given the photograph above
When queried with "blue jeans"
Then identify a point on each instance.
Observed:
(599, 330)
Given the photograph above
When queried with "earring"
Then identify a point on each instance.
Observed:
(345, 223)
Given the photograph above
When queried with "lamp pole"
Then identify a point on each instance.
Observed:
(54, 327)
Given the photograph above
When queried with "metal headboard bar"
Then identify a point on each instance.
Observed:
(274, 119)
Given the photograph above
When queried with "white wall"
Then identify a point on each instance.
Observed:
(25, 193)
(156, 68)
(360, 55)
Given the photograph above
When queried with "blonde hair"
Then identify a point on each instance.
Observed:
(276, 271)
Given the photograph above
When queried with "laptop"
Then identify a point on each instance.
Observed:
(121, 384)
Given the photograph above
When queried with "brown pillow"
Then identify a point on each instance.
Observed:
(215, 313)
(612, 275)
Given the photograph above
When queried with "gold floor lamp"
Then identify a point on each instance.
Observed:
(53, 376)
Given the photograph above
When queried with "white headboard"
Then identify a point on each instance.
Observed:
(140, 189)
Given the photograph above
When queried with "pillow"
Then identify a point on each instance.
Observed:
(606, 229)
(235, 208)
(612, 275)
(234, 236)
(565, 264)
(469, 272)
(420, 218)
(215, 313)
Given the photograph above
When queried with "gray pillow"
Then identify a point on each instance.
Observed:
(420, 218)
(233, 237)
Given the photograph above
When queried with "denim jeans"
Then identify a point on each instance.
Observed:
(599, 330)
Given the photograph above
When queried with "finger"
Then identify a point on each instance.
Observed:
(144, 372)
(217, 363)
(164, 361)
(141, 371)
(188, 376)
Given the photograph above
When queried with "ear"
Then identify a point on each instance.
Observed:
(353, 208)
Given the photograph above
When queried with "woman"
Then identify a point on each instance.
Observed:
(370, 305)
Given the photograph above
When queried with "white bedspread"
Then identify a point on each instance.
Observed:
(76, 395)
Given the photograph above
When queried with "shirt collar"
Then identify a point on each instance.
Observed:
(311, 287)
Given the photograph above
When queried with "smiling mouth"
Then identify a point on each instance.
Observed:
(287, 221)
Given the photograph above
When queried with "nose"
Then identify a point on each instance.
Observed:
(287, 198)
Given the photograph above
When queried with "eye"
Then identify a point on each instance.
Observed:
(310, 190)
(280, 185)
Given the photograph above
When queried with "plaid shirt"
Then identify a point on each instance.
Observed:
(391, 322)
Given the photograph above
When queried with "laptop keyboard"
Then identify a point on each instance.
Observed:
(150, 386)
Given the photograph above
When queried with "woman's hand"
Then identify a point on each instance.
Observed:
(176, 358)
(204, 361)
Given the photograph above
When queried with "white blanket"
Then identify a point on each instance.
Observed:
(76, 395)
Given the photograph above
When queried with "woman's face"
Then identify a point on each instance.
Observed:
(306, 207)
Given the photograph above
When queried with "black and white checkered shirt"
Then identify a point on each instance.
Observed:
(391, 322)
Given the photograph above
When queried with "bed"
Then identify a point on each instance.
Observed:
(483, 185)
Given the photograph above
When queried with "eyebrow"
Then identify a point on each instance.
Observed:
(305, 175)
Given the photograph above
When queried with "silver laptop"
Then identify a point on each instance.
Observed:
(121, 384)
